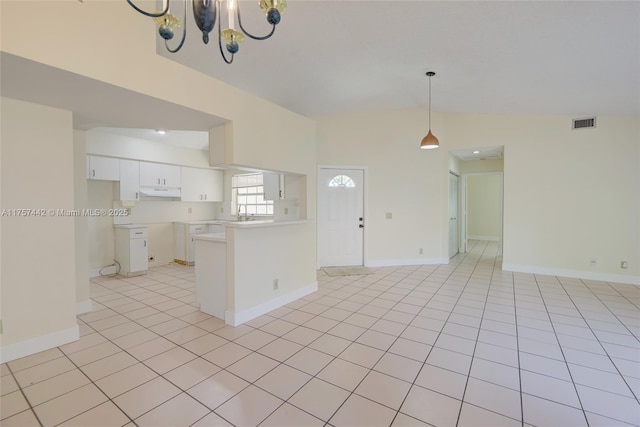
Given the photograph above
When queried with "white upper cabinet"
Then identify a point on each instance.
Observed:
(159, 175)
(272, 188)
(129, 180)
(104, 168)
(202, 185)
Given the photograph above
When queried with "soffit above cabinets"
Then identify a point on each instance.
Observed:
(193, 140)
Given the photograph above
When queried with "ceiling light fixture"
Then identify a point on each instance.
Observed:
(205, 13)
(476, 152)
(430, 142)
(161, 131)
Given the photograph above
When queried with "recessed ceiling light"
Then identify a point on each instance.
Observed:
(476, 152)
(161, 131)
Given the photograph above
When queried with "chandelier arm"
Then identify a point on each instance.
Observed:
(150, 14)
(228, 61)
(184, 32)
(247, 33)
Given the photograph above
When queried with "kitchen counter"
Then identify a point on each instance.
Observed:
(263, 223)
(212, 237)
(254, 267)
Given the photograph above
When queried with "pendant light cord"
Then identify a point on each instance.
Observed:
(429, 103)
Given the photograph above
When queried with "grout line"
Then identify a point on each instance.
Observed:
(561, 351)
(451, 288)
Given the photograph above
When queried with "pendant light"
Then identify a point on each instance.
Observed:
(430, 142)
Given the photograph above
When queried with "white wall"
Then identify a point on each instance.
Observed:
(100, 234)
(569, 196)
(81, 224)
(113, 145)
(410, 183)
(265, 136)
(262, 131)
(258, 256)
(479, 166)
(484, 204)
(38, 252)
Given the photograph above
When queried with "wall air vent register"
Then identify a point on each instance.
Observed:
(584, 123)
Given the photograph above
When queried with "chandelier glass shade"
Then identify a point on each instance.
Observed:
(205, 15)
(429, 142)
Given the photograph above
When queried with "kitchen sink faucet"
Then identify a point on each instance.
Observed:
(240, 217)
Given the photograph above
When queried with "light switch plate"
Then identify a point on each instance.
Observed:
(388, 215)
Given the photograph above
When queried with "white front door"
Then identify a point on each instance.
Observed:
(453, 215)
(340, 217)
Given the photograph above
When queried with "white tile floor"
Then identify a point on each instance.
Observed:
(462, 344)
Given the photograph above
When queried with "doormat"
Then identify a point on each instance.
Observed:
(347, 271)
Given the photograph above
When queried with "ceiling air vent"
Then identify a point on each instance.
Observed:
(589, 122)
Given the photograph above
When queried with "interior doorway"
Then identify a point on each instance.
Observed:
(483, 207)
(481, 194)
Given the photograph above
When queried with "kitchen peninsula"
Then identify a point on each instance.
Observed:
(254, 267)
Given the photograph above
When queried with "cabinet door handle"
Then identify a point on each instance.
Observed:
(164, 181)
(137, 195)
(158, 181)
(205, 197)
(93, 172)
(145, 243)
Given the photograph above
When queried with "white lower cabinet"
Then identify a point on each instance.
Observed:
(132, 249)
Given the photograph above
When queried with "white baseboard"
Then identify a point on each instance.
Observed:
(399, 262)
(235, 318)
(35, 345)
(83, 307)
(477, 237)
(576, 274)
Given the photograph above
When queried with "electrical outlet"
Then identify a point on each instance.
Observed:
(151, 258)
(275, 284)
(189, 210)
(0, 327)
(420, 251)
(286, 211)
(624, 264)
(388, 215)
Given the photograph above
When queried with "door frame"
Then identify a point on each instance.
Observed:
(365, 180)
(458, 221)
(463, 195)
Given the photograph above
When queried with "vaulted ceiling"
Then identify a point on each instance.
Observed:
(539, 57)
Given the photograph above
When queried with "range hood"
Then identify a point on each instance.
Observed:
(173, 193)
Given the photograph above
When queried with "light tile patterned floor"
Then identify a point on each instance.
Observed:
(462, 344)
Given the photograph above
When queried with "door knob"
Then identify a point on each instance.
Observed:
(361, 226)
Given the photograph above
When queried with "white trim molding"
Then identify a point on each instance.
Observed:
(235, 318)
(400, 262)
(490, 238)
(31, 346)
(575, 274)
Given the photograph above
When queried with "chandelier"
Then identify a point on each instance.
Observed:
(205, 14)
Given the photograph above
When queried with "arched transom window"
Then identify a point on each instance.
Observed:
(342, 181)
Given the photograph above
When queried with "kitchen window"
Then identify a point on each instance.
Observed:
(247, 191)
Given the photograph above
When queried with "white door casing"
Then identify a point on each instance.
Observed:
(454, 245)
(340, 217)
